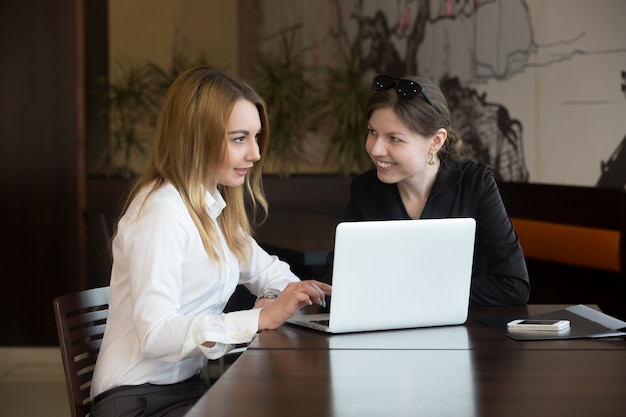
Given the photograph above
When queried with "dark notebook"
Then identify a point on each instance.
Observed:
(585, 322)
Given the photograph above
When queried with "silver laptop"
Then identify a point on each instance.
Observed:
(398, 274)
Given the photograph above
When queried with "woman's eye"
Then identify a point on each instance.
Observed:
(239, 139)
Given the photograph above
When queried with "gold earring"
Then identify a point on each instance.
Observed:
(431, 162)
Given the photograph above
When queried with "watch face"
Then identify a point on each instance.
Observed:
(271, 293)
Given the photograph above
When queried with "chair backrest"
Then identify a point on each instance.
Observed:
(81, 319)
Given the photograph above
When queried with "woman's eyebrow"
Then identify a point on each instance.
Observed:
(239, 131)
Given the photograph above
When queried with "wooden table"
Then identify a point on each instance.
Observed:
(469, 370)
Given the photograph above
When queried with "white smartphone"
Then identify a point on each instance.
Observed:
(534, 325)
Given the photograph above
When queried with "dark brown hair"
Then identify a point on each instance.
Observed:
(420, 116)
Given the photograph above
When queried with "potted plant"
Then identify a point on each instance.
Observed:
(133, 99)
(346, 96)
(282, 79)
(132, 103)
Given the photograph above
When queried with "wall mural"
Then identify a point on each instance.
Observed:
(536, 87)
(487, 128)
(614, 168)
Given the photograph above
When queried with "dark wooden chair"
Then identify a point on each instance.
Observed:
(81, 318)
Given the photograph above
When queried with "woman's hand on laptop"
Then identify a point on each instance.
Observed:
(295, 296)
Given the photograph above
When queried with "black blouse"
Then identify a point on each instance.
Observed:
(462, 189)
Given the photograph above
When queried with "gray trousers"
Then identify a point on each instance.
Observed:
(148, 400)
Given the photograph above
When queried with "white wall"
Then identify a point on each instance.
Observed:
(573, 111)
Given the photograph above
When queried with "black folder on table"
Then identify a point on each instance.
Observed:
(585, 322)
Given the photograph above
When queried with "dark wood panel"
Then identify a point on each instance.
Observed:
(554, 282)
(41, 164)
(581, 206)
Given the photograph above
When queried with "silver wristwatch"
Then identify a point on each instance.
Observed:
(269, 293)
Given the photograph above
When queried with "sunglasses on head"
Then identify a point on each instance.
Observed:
(404, 88)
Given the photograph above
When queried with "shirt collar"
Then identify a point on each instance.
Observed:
(215, 203)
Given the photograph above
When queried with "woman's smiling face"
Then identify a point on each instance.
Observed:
(397, 152)
(242, 149)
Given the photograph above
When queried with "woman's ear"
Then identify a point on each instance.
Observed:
(439, 139)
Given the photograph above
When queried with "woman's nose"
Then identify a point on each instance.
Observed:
(254, 152)
(376, 146)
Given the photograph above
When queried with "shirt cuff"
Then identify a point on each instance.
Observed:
(215, 352)
(241, 326)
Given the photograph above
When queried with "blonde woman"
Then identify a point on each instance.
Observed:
(182, 246)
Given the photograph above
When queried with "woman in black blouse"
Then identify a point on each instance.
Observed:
(420, 173)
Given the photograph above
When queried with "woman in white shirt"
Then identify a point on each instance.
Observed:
(182, 246)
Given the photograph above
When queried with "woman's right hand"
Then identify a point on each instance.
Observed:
(295, 296)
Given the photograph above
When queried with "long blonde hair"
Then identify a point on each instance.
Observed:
(189, 147)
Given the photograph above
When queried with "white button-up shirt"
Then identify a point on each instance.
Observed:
(167, 296)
